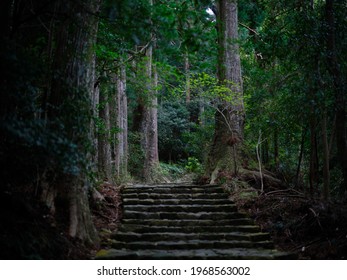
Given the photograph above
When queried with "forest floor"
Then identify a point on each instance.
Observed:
(311, 227)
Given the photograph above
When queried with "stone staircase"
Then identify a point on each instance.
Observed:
(186, 222)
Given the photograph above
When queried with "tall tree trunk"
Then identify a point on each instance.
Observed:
(228, 137)
(151, 122)
(338, 86)
(301, 153)
(187, 73)
(313, 154)
(72, 85)
(121, 143)
(326, 158)
(104, 141)
(276, 149)
(95, 99)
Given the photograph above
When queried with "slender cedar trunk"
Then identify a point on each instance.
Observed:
(326, 158)
(332, 136)
(145, 121)
(72, 85)
(266, 152)
(117, 141)
(187, 73)
(313, 157)
(338, 86)
(93, 130)
(149, 125)
(276, 149)
(228, 138)
(124, 102)
(301, 153)
(121, 138)
(105, 154)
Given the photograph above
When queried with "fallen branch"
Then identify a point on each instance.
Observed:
(317, 218)
(258, 150)
(282, 191)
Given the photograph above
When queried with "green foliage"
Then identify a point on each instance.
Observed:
(172, 171)
(136, 154)
(173, 122)
(194, 165)
(287, 81)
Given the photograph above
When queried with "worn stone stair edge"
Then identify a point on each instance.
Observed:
(187, 222)
(173, 191)
(170, 201)
(190, 244)
(142, 186)
(177, 236)
(221, 228)
(214, 254)
(181, 208)
(181, 215)
(176, 195)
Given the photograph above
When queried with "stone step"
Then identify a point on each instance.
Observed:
(188, 222)
(199, 195)
(140, 215)
(140, 228)
(189, 244)
(170, 201)
(178, 236)
(199, 254)
(180, 208)
(179, 190)
(170, 186)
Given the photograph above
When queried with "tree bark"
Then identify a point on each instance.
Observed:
(276, 149)
(95, 99)
(326, 157)
(104, 142)
(228, 136)
(121, 143)
(150, 125)
(301, 153)
(72, 84)
(313, 154)
(187, 74)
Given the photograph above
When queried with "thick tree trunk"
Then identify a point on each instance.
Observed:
(150, 121)
(70, 102)
(228, 138)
